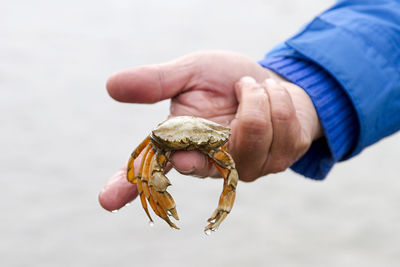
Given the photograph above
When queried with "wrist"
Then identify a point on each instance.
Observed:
(334, 108)
(305, 109)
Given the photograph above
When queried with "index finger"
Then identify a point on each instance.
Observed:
(117, 192)
(251, 129)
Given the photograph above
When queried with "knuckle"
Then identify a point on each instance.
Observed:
(253, 128)
(303, 144)
(282, 108)
(301, 147)
(279, 165)
(250, 90)
(253, 117)
(248, 176)
(282, 112)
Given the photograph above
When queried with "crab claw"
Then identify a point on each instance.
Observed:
(163, 203)
(225, 165)
(159, 184)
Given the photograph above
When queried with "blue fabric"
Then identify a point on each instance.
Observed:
(358, 43)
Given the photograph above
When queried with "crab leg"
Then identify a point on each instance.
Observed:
(130, 174)
(145, 179)
(145, 171)
(226, 166)
(140, 184)
(158, 184)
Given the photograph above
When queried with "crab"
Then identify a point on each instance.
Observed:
(182, 133)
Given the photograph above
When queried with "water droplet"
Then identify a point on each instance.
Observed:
(208, 232)
(114, 211)
(127, 204)
(151, 224)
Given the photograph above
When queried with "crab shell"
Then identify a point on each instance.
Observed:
(189, 133)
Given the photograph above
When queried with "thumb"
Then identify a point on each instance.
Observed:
(193, 163)
(151, 83)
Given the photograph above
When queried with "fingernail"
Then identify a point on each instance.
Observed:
(270, 81)
(187, 172)
(247, 79)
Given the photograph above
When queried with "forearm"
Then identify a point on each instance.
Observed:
(355, 46)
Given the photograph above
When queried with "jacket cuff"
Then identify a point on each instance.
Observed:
(334, 109)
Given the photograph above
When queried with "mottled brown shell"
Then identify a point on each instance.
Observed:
(188, 133)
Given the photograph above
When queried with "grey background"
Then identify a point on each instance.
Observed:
(62, 137)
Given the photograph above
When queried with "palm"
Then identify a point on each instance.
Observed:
(217, 104)
(210, 92)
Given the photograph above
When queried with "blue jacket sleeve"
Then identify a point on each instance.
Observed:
(358, 44)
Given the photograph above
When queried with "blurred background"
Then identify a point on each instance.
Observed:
(62, 136)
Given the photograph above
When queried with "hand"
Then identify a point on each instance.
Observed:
(273, 122)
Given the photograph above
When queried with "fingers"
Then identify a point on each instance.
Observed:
(149, 84)
(117, 192)
(267, 136)
(288, 142)
(251, 129)
(193, 163)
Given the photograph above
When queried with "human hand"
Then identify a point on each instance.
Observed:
(273, 122)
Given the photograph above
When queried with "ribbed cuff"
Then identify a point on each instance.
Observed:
(335, 111)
